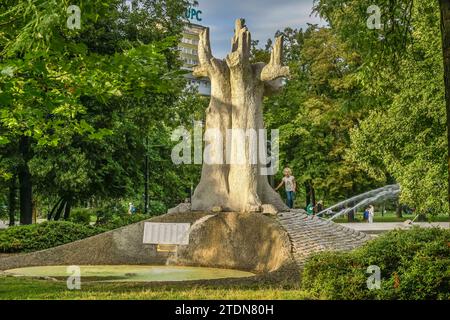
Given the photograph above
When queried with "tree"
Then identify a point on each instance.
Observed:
(54, 77)
(402, 71)
(409, 137)
(321, 102)
(445, 33)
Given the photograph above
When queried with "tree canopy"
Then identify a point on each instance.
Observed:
(77, 106)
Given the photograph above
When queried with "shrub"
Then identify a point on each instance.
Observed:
(44, 235)
(81, 216)
(122, 220)
(414, 264)
(115, 207)
(54, 233)
(335, 275)
(4, 214)
(103, 217)
(157, 207)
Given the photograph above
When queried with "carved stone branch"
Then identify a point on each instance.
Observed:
(275, 70)
(240, 46)
(204, 55)
(208, 65)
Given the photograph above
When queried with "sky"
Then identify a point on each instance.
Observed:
(263, 18)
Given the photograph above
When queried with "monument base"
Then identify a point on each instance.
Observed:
(273, 247)
(250, 242)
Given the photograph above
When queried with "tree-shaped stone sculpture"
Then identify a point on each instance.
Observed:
(237, 90)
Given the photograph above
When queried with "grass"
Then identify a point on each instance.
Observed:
(391, 217)
(13, 288)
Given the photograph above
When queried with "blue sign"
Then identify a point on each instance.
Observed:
(192, 14)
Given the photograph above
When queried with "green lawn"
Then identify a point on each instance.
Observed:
(391, 217)
(26, 288)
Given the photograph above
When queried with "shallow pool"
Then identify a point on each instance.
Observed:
(131, 273)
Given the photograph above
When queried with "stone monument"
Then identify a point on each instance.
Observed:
(252, 241)
(237, 90)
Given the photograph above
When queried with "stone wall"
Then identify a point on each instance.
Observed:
(238, 241)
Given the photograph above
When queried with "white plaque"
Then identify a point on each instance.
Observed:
(166, 233)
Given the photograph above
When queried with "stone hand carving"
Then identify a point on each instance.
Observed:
(237, 91)
(275, 70)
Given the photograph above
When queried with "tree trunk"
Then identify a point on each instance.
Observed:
(52, 212)
(213, 189)
(25, 186)
(237, 90)
(247, 94)
(12, 200)
(351, 216)
(146, 178)
(445, 32)
(34, 210)
(308, 194)
(60, 210)
(313, 193)
(398, 210)
(67, 208)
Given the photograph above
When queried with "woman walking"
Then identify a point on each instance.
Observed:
(290, 186)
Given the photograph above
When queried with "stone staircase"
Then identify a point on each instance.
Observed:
(311, 234)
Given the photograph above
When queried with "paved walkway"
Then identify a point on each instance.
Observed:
(379, 227)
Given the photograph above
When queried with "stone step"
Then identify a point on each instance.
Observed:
(310, 234)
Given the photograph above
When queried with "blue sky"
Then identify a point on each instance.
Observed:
(263, 17)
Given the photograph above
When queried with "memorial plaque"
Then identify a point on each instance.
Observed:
(166, 233)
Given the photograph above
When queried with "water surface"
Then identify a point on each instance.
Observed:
(132, 273)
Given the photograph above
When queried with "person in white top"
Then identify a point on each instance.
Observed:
(371, 213)
(290, 186)
(131, 208)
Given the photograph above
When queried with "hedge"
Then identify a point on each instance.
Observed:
(54, 233)
(414, 264)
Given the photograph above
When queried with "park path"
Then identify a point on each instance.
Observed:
(379, 227)
(310, 234)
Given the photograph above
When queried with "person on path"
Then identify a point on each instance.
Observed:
(310, 209)
(371, 213)
(131, 209)
(366, 214)
(319, 206)
(290, 186)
